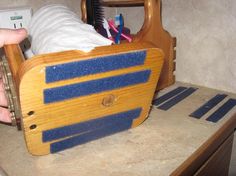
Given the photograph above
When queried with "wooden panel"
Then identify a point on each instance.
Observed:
(218, 163)
(38, 116)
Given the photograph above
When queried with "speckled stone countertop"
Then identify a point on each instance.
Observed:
(157, 147)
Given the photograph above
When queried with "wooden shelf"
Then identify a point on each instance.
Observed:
(123, 3)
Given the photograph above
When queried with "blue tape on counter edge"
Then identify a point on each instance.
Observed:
(92, 66)
(170, 103)
(206, 107)
(95, 86)
(122, 125)
(222, 111)
(90, 125)
(168, 95)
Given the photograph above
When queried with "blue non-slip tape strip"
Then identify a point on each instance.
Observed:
(206, 107)
(222, 111)
(168, 95)
(61, 132)
(170, 103)
(122, 125)
(95, 86)
(93, 66)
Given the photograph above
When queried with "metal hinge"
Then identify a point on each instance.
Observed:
(13, 103)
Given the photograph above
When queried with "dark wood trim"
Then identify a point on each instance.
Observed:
(200, 156)
(218, 163)
(123, 3)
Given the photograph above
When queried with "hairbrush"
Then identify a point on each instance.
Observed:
(95, 13)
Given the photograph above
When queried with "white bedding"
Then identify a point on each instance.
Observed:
(56, 28)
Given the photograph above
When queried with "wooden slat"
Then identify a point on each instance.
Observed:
(174, 66)
(174, 41)
(14, 57)
(123, 3)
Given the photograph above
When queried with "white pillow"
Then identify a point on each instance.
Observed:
(56, 28)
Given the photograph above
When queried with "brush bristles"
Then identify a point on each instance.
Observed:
(95, 13)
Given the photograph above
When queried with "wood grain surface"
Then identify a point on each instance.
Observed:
(38, 116)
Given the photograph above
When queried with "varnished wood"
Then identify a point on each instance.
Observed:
(84, 11)
(31, 79)
(151, 31)
(15, 58)
(200, 156)
(123, 3)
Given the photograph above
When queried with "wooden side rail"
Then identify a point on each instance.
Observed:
(14, 58)
(10, 65)
(152, 31)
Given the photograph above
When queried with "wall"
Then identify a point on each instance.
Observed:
(206, 41)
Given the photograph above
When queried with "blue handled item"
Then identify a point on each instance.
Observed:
(121, 26)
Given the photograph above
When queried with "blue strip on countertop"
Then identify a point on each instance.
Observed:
(208, 106)
(167, 105)
(222, 111)
(168, 95)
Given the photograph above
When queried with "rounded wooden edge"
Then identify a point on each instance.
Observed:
(84, 11)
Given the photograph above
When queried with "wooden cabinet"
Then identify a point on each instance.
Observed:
(218, 163)
(213, 157)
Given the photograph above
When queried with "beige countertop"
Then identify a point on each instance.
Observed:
(157, 147)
